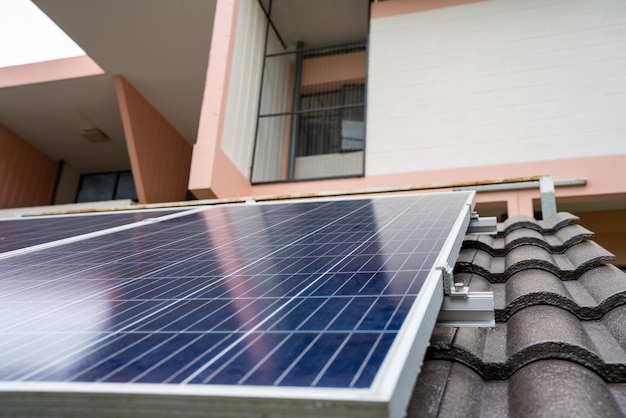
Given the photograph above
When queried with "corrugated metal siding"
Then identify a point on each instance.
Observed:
(26, 174)
(245, 80)
(329, 165)
(273, 135)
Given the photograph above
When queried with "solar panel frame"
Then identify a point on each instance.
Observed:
(388, 394)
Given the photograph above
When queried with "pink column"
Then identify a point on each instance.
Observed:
(212, 173)
(160, 157)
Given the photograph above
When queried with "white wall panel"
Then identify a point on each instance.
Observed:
(494, 82)
(327, 165)
(273, 131)
(244, 86)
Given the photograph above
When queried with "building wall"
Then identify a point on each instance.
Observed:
(27, 175)
(496, 82)
(160, 157)
(326, 72)
(457, 97)
(213, 173)
(242, 103)
(44, 72)
(609, 227)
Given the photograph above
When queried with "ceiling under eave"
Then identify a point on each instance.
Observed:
(161, 47)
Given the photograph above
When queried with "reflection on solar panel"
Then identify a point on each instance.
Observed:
(315, 308)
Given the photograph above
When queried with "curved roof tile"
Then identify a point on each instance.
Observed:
(499, 246)
(595, 293)
(535, 333)
(546, 388)
(559, 344)
(545, 227)
(569, 265)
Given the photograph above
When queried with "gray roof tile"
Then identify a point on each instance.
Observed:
(559, 344)
(546, 227)
(595, 293)
(501, 245)
(569, 265)
(547, 388)
(537, 332)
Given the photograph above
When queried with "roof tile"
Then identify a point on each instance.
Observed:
(595, 293)
(534, 391)
(569, 265)
(559, 344)
(500, 245)
(546, 227)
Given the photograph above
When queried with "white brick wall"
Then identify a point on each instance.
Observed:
(498, 81)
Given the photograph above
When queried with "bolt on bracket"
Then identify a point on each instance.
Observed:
(450, 287)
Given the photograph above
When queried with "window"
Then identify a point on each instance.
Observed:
(311, 119)
(340, 129)
(106, 186)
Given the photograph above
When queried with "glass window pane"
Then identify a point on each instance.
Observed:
(126, 186)
(96, 187)
(311, 117)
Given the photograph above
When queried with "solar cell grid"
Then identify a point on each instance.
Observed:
(306, 294)
(26, 232)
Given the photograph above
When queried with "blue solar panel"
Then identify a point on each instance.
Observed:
(25, 232)
(306, 294)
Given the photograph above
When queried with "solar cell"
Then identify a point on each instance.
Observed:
(16, 233)
(312, 294)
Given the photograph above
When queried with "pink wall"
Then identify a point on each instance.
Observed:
(160, 157)
(40, 72)
(27, 175)
(397, 7)
(213, 174)
(598, 171)
(317, 73)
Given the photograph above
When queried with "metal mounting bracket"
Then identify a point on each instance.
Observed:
(482, 226)
(462, 308)
(548, 200)
(448, 277)
(475, 310)
(450, 288)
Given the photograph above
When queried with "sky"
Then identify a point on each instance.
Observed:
(27, 35)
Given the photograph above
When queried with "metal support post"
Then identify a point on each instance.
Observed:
(295, 108)
(548, 200)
